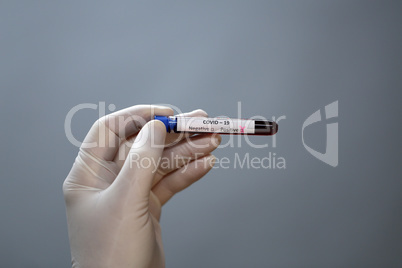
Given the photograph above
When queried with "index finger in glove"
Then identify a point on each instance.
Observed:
(107, 133)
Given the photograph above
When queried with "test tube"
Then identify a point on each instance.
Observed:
(221, 125)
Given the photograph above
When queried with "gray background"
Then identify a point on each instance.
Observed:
(276, 57)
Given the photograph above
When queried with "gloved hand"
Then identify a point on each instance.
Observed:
(126, 169)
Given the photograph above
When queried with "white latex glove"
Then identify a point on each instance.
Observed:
(113, 202)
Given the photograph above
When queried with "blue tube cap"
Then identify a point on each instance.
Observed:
(164, 120)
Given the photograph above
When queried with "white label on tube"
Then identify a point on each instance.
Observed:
(217, 125)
